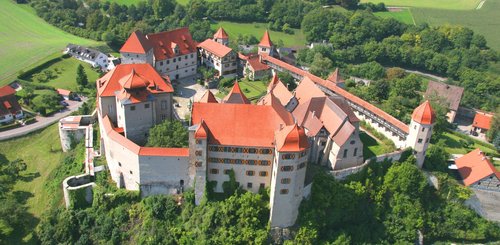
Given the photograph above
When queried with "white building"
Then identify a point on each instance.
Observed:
(88, 55)
(9, 106)
(220, 57)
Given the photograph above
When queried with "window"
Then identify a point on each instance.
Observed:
(355, 152)
(168, 62)
(353, 142)
(263, 173)
(180, 58)
(301, 165)
(415, 127)
(323, 143)
(198, 142)
(198, 164)
(175, 60)
(284, 191)
(251, 162)
(250, 173)
(288, 156)
(303, 153)
(265, 163)
(214, 171)
(132, 108)
(419, 141)
(226, 171)
(286, 168)
(191, 56)
(285, 181)
(263, 49)
(423, 129)
(345, 153)
(197, 153)
(262, 186)
(161, 63)
(163, 104)
(119, 164)
(238, 161)
(131, 172)
(249, 185)
(146, 106)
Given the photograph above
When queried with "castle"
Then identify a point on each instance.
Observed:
(267, 144)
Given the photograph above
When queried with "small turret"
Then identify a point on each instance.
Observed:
(266, 45)
(221, 37)
(422, 120)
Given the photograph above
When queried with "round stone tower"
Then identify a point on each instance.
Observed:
(422, 120)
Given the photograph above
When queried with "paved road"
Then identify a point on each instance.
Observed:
(41, 123)
(441, 79)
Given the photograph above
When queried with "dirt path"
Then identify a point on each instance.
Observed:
(480, 5)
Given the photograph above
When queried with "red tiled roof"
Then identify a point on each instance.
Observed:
(201, 131)
(424, 114)
(133, 81)
(136, 43)
(7, 104)
(335, 77)
(482, 120)
(110, 83)
(6, 90)
(164, 152)
(236, 96)
(162, 43)
(221, 34)
(208, 97)
(255, 64)
(63, 92)
(280, 92)
(475, 166)
(291, 139)
(215, 48)
(307, 90)
(266, 40)
(241, 124)
(134, 96)
(452, 94)
(275, 80)
(384, 115)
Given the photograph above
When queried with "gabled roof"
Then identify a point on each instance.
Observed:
(201, 131)
(482, 120)
(236, 96)
(291, 139)
(215, 48)
(307, 90)
(7, 90)
(109, 84)
(475, 166)
(275, 80)
(63, 92)
(278, 91)
(164, 41)
(335, 77)
(452, 94)
(137, 43)
(424, 114)
(266, 40)
(208, 97)
(221, 34)
(240, 124)
(254, 62)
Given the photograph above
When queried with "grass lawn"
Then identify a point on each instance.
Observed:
(403, 16)
(130, 2)
(253, 90)
(65, 71)
(26, 39)
(233, 29)
(485, 21)
(371, 147)
(437, 4)
(453, 145)
(42, 153)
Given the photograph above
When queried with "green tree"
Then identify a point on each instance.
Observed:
(321, 66)
(81, 76)
(163, 8)
(436, 157)
(170, 133)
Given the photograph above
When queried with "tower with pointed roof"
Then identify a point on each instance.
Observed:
(137, 50)
(221, 36)
(266, 45)
(289, 171)
(422, 120)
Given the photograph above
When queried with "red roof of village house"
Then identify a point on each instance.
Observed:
(475, 166)
(255, 64)
(6, 90)
(384, 115)
(241, 124)
(208, 97)
(335, 77)
(291, 139)
(482, 120)
(307, 90)
(235, 96)
(201, 131)
(424, 114)
(164, 41)
(133, 81)
(110, 83)
(63, 92)
(215, 48)
(137, 43)
(221, 33)
(266, 40)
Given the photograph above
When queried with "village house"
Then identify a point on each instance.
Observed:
(64, 93)
(9, 106)
(477, 171)
(214, 53)
(172, 53)
(482, 122)
(450, 93)
(88, 55)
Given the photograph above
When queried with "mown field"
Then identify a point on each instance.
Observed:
(404, 15)
(129, 2)
(27, 39)
(485, 21)
(437, 4)
(234, 29)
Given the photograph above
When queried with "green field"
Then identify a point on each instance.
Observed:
(253, 90)
(26, 39)
(453, 145)
(129, 2)
(404, 15)
(436, 4)
(65, 71)
(371, 147)
(42, 153)
(233, 29)
(485, 21)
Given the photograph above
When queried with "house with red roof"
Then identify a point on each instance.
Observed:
(482, 122)
(214, 53)
(477, 171)
(9, 106)
(172, 53)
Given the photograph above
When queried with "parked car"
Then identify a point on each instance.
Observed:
(76, 98)
(64, 103)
